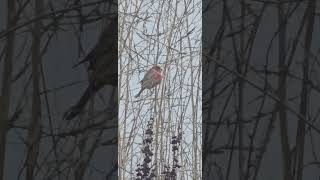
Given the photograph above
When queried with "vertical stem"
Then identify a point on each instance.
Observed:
(6, 85)
(300, 139)
(282, 94)
(240, 92)
(34, 127)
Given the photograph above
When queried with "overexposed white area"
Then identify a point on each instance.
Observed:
(166, 33)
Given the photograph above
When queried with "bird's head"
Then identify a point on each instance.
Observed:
(157, 68)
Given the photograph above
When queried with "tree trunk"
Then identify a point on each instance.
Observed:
(6, 84)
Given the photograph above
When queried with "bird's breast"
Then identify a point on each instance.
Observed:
(158, 77)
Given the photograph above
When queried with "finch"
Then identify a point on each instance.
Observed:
(151, 79)
(103, 66)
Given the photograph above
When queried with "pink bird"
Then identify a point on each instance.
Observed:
(151, 79)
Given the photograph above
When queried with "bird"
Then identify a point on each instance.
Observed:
(103, 66)
(151, 79)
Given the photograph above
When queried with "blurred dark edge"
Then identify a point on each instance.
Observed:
(111, 169)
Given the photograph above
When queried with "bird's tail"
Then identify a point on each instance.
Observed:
(139, 93)
(77, 108)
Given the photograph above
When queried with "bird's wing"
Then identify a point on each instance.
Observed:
(145, 77)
